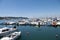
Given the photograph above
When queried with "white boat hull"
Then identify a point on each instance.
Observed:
(7, 33)
(12, 36)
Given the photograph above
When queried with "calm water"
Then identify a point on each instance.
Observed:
(37, 33)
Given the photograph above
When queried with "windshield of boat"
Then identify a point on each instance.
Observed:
(5, 30)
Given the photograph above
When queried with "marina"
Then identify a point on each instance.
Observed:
(29, 19)
(36, 32)
(30, 28)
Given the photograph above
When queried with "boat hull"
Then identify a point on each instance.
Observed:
(7, 33)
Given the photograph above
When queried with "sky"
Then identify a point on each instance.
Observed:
(30, 8)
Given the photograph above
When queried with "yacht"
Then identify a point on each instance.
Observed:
(12, 36)
(5, 31)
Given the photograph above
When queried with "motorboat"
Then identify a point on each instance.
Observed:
(8, 23)
(12, 36)
(5, 31)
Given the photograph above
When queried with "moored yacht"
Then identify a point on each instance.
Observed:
(12, 36)
(5, 31)
(10, 23)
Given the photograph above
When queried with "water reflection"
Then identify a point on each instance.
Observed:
(37, 32)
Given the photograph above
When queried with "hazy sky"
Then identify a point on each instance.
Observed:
(30, 8)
